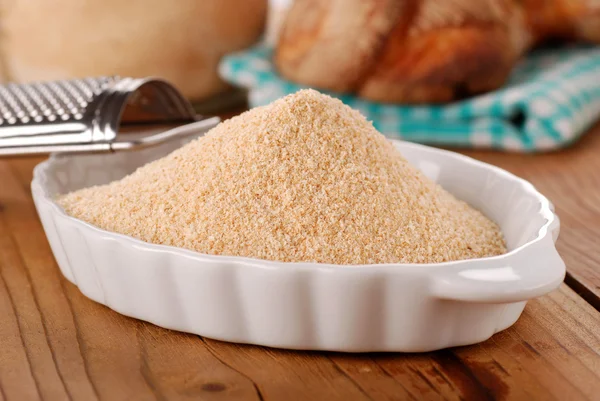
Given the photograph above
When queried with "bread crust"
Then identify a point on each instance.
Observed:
(330, 44)
(421, 51)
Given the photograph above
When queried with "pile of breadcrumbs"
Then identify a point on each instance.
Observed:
(305, 179)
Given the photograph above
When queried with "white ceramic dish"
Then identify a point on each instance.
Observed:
(306, 305)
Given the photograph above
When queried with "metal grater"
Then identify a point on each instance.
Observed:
(86, 115)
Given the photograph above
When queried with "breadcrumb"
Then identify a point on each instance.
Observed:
(304, 179)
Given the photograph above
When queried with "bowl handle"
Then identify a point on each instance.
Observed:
(508, 280)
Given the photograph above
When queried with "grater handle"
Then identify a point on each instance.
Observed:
(181, 131)
(177, 132)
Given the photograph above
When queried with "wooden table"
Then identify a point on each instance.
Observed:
(55, 344)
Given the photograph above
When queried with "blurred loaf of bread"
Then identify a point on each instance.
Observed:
(427, 51)
(181, 40)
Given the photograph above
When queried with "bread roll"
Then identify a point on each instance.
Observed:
(564, 19)
(442, 51)
(332, 44)
(181, 40)
(426, 51)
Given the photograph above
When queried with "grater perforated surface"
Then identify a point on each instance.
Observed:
(48, 102)
(86, 115)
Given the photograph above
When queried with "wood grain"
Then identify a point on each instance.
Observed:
(55, 344)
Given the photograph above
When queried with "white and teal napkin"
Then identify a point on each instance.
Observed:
(550, 100)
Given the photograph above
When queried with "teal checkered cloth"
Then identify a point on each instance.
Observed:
(550, 100)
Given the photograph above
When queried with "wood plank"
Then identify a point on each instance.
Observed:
(571, 180)
(190, 371)
(79, 349)
(527, 361)
(16, 376)
(546, 355)
(56, 344)
(289, 375)
(34, 330)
